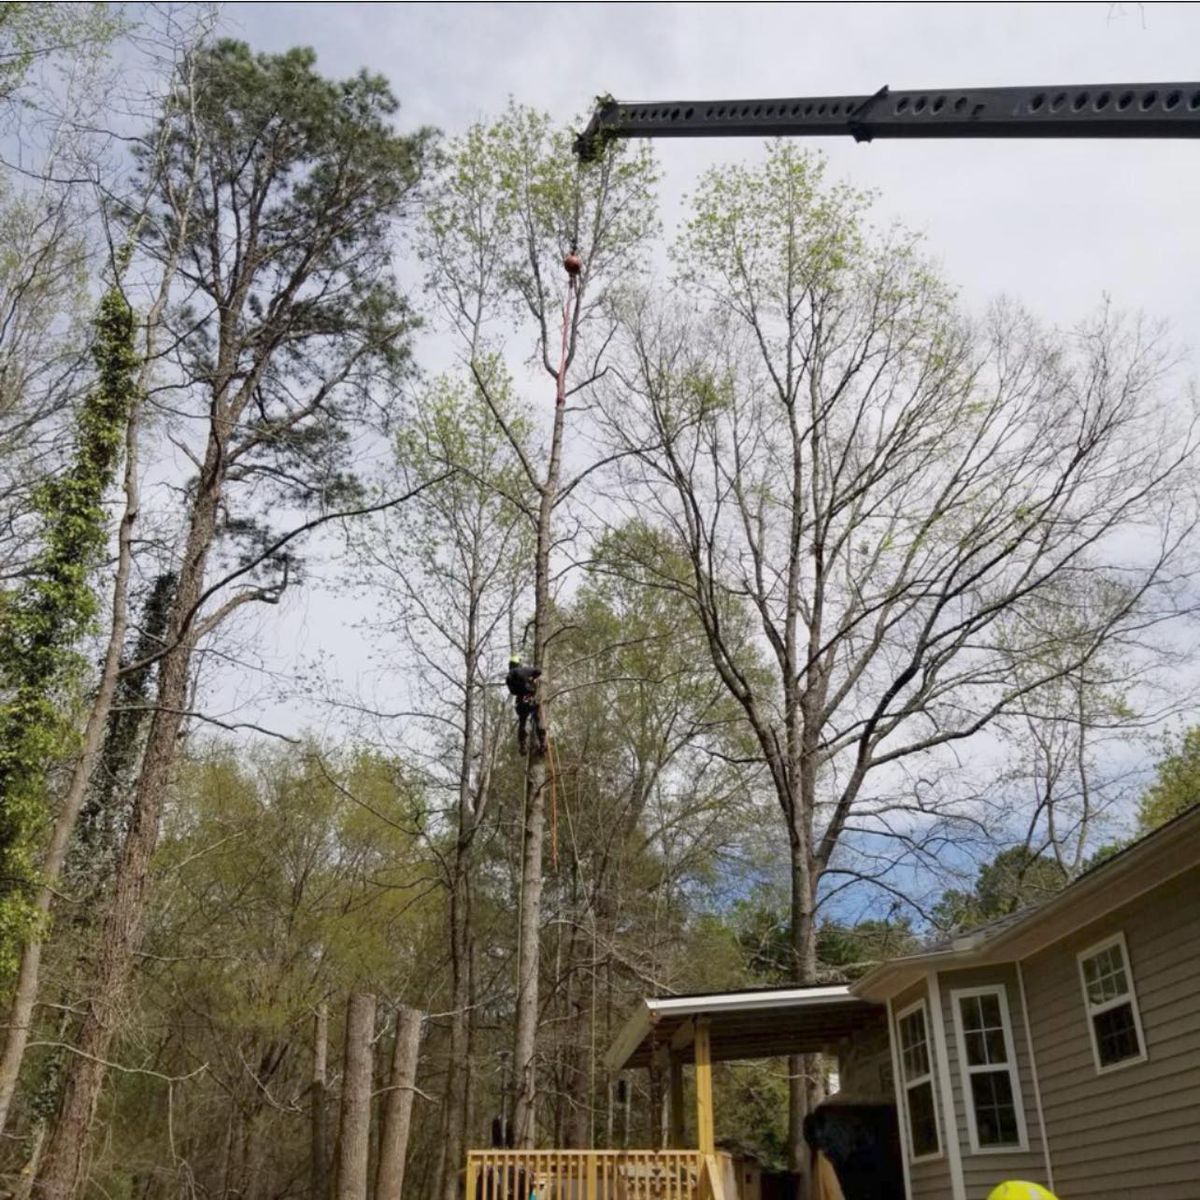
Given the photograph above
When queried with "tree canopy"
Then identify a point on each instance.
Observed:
(1176, 786)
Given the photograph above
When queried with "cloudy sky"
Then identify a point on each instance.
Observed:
(1057, 225)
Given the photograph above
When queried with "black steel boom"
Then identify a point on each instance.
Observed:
(1101, 110)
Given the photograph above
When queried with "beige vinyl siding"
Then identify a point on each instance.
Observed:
(930, 1178)
(1134, 1131)
(983, 1171)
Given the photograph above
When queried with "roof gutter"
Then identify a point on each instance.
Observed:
(646, 1016)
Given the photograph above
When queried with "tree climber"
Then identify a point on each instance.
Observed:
(523, 684)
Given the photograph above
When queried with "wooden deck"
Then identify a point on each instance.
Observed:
(599, 1175)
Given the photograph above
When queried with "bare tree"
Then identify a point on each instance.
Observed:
(57, 95)
(354, 1130)
(902, 502)
(397, 1107)
(1070, 761)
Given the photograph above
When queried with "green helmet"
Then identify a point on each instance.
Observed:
(514, 660)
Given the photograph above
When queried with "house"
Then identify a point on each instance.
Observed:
(1060, 1045)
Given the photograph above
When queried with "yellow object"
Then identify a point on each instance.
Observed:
(704, 1097)
(1016, 1189)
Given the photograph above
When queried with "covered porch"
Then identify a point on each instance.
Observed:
(673, 1035)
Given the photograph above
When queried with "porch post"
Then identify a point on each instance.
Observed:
(705, 1141)
(676, 1102)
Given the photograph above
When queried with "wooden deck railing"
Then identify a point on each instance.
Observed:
(585, 1175)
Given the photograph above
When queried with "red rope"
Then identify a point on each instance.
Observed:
(560, 391)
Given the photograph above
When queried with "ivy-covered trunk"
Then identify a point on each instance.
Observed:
(112, 961)
(40, 667)
(25, 992)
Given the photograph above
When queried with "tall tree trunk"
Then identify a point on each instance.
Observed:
(471, 807)
(529, 919)
(319, 1149)
(397, 1108)
(529, 924)
(802, 1068)
(100, 829)
(576, 1086)
(24, 1183)
(458, 1067)
(107, 974)
(20, 1014)
(354, 1130)
(579, 1089)
(471, 1114)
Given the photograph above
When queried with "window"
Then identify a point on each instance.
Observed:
(1113, 1018)
(991, 1087)
(916, 1070)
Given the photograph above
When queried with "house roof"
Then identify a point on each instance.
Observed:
(756, 1023)
(768, 1022)
(1168, 851)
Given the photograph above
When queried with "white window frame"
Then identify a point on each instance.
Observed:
(1091, 1011)
(966, 1070)
(906, 1083)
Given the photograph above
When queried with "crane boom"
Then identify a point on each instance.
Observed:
(1100, 110)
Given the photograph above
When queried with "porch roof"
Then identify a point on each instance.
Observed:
(763, 1023)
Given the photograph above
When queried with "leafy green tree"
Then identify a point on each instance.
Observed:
(652, 801)
(1014, 879)
(1176, 786)
(36, 32)
(291, 875)
(42, 624)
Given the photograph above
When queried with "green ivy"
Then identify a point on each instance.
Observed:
(42, 623)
